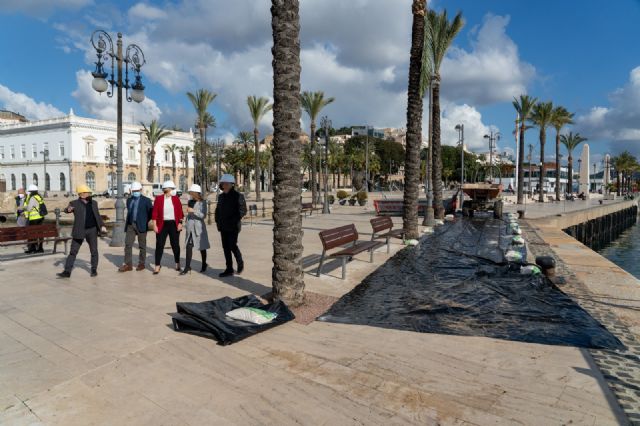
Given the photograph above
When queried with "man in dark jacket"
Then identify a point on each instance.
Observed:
(139, 210)
(86, 222)
(230, 210)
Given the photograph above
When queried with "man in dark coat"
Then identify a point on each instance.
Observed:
(86, 222)
(139, 210)
(230, 210)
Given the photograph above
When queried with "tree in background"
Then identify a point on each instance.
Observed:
(154, 133)
(185, 152)
(524, 106)
(541, 117)
(173, 149)
(391, 156)
(244, 139)
(258, 107)
(560, 118)
(570, 142)
(201, 101)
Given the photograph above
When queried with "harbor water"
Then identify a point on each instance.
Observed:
(625, 251)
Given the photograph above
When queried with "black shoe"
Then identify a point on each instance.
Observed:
(204, 268)
(64, 274)
(185, 271)
(40, 250)
(29, 251)
(94, 273)
(226, 273)
(240, 267)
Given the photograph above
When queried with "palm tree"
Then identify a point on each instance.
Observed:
(173, 148)
(201, 101)
(287, 274)
(414, 122)
(243, 139)
(438, 37)
(570, 142)
(312, 103)
(258, 107)
(541, 117)
(559, 119)
(524, 107)
(185, 151)
(154, 133)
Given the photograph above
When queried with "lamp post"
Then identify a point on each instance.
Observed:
(594, 178)
(133, 58)
(366, 167)
(493, 138)
(325, 123)
(460, 129)
(530, 157)
(45, 158)
(580, 173)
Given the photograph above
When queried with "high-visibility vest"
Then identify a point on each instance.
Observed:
(34, 213)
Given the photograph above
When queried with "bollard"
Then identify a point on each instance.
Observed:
(57, 213)
(521, 214)
(548, 265)
(263, 210)
(208, 212)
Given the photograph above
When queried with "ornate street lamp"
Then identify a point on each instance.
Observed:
(133, 58)
(460, 129)
(493, 138)
(325, 123)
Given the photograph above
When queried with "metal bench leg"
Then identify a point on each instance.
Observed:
(388, 244)
(55, 247)
(344, 267)
(371, 255)
(320, 265)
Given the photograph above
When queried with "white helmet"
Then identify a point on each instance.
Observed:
(195, 188)
(227, 178)
(136, 186)
(169, 184)
(32, 187)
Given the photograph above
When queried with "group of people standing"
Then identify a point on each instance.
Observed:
(167, 220)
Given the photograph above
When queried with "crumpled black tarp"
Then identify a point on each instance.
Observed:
(457, 282)
(209, 318)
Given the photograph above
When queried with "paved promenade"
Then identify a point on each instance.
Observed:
(102, 351)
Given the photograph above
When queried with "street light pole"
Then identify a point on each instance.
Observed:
(493, 137)
(530, 170)
(366, 168)
(45, 158)
(132, 58)
(460, 129)
(326, 124)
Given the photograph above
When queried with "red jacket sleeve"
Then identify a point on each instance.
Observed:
(157, 209)
(177, 209)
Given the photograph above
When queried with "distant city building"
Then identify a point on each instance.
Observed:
(532, 183)
(83, 150)
(364, 130)
(11, 117)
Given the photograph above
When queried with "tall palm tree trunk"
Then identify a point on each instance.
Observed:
(436, 156)
(257, 141)
(152, 159)
(557, 166)
(287, 273)
(521, 165)
(543, 139)
(570, 170)
(313, 166)
(414, 123)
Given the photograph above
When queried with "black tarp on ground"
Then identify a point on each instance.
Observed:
(456, 282)
(209, 318)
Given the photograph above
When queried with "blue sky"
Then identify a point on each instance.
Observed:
(577, 53)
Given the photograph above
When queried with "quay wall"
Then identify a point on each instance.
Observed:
(596, 233)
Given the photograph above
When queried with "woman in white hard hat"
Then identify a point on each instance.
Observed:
(167, 219)
(195, 229)
(230, 210)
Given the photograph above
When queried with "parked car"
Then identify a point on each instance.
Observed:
(113, 191)
(157, 190)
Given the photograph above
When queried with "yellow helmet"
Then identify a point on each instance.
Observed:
(83, 188)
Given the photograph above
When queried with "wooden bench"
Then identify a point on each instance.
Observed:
(338, 237)
(307, 207)
(384, 223)
(18, 235)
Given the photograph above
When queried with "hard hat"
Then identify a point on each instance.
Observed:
(136, 186)
(227, 178)
(195, 188)
(32, 187)
(83, 188)
(169, 184)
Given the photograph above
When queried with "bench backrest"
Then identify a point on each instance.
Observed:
(381, 223)
(20, 233)
(336, 237)
(307, 206)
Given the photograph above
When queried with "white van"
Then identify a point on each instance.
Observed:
(157, 190)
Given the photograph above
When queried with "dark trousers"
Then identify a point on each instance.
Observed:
(91, 235)
(230, 245)
(132, 232)
(35, 244)
(169, 229)
(203, 254)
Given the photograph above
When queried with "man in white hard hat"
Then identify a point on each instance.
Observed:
(136, 224)
(230, 210)
(34, 214)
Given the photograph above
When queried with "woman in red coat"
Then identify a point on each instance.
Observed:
(167, 218)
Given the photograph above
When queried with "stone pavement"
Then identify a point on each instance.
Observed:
(102, 351)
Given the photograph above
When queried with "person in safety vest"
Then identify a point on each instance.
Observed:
(86, 223)
(34, 215)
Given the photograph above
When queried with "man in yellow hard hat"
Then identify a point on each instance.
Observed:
(86, 222)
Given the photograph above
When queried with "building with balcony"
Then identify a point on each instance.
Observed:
(75, 150)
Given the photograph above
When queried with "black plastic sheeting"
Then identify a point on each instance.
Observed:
(458, 282)
(209, 319)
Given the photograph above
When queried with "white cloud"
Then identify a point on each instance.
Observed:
(105, 108)
(144, 11)
(27, 106)
(474, 128)
(41, 8)
(491, 71)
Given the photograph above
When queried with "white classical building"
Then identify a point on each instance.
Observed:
(83, 150)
